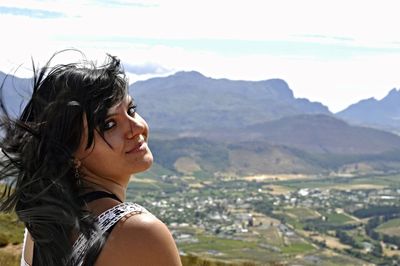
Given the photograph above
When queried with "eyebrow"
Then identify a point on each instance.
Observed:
(131, 102)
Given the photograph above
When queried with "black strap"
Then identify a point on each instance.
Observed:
(94, 195)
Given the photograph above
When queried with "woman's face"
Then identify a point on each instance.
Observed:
(123, 151)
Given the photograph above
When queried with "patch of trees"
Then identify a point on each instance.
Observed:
(264, 207)
(377, 210)
(374, 257)
(371, 225)
(374, 222)
(324, 226)
(347, 239)
(377, 249)
(395, 240)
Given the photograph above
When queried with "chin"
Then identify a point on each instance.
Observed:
(145, 164)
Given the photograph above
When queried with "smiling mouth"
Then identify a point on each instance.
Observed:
(141, 146)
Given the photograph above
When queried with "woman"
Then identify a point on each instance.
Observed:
(67, 161)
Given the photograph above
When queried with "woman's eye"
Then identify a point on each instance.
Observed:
(132, 110)
(109, 124)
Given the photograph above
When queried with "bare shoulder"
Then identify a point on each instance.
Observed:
(139, 239)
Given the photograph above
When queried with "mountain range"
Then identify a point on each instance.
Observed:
(257, 127)
(384, 114)
(15, 91)
(195, 102)
(201, 124)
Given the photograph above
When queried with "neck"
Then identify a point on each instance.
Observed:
(103, 184)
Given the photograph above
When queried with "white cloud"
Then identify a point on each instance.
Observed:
(146, 68)
(365, 21)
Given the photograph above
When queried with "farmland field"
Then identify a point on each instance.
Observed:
(391, 227)
(302, 213)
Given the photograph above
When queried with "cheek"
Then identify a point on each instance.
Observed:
(113, 140)
(103, 150)
(101, 161)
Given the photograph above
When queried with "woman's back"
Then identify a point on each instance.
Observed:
(137, 237)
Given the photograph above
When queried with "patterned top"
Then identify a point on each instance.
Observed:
(105, 221)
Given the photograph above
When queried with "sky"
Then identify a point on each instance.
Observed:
(332, 51)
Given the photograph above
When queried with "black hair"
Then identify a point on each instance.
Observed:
(37, 162)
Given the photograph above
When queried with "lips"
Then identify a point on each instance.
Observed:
(140, 146)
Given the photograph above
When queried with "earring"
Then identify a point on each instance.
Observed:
(77, 175)
(77, 164)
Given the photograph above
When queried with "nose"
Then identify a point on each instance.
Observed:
(134, 126)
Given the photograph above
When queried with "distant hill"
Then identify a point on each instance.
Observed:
(189, 100)
(200, 157)
(323, 134)
(383, 114)
(297, 144)
(244, 158)
(14, 91)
